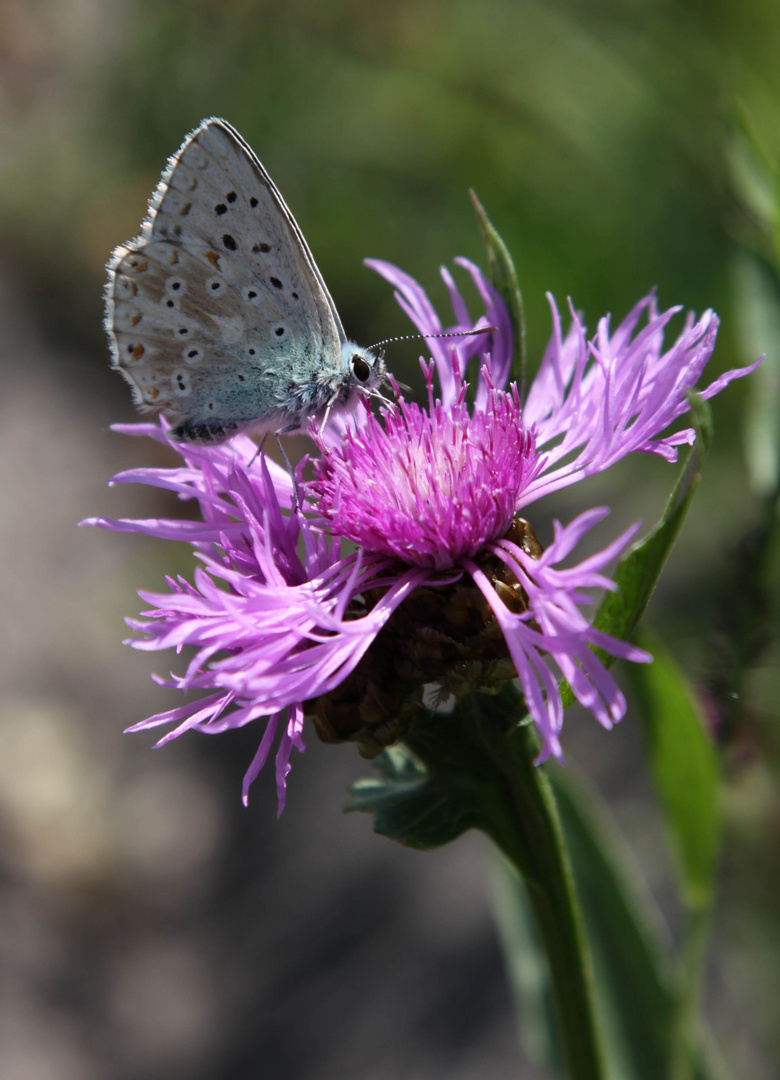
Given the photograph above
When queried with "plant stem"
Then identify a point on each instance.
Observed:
(519, 813)
(532, 839)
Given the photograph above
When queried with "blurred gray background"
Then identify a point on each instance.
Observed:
(149, 925)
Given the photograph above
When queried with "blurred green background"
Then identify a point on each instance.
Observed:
(150, 925)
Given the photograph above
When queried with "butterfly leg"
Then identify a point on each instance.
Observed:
(257, 452)
(290, 469)
(325, 419)
(285, 459)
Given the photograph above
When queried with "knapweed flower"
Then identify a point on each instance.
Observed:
(406, 561)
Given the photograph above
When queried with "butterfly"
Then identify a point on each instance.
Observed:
(217, 314)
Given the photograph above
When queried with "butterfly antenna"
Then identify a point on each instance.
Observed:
(443, 334)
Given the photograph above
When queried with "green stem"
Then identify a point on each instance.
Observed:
(520, 816)
(531, 838)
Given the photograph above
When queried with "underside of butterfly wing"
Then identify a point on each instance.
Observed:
(216, 313)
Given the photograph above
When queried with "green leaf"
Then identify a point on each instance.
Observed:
(504, 278)
(685, 770)
(638, 573)
(442, 781)
(526, 964)
(419, 809)
(619, 613)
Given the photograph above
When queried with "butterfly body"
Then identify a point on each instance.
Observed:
(217, 313)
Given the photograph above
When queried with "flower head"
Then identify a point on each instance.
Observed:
(429, 487)
(443, 581)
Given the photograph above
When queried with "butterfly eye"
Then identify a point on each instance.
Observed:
(360, 369)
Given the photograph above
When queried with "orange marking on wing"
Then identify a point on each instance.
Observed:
(136, 319)
(213, 258)
(138, 352)
(174, 258)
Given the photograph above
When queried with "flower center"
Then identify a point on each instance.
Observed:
(428, 487)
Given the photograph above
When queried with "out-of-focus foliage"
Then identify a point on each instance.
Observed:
(615, 145)
(593, 134)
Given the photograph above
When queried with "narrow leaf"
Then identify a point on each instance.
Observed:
(638, 573)
(504, 277)
(685, 772)
(758, 307)
(630, 949)
(684, 768)
(526, 964)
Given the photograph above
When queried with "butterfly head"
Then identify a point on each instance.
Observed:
(363, 370)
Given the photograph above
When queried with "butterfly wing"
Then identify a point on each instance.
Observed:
(217, 312)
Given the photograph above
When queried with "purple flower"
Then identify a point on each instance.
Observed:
(441, 575)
